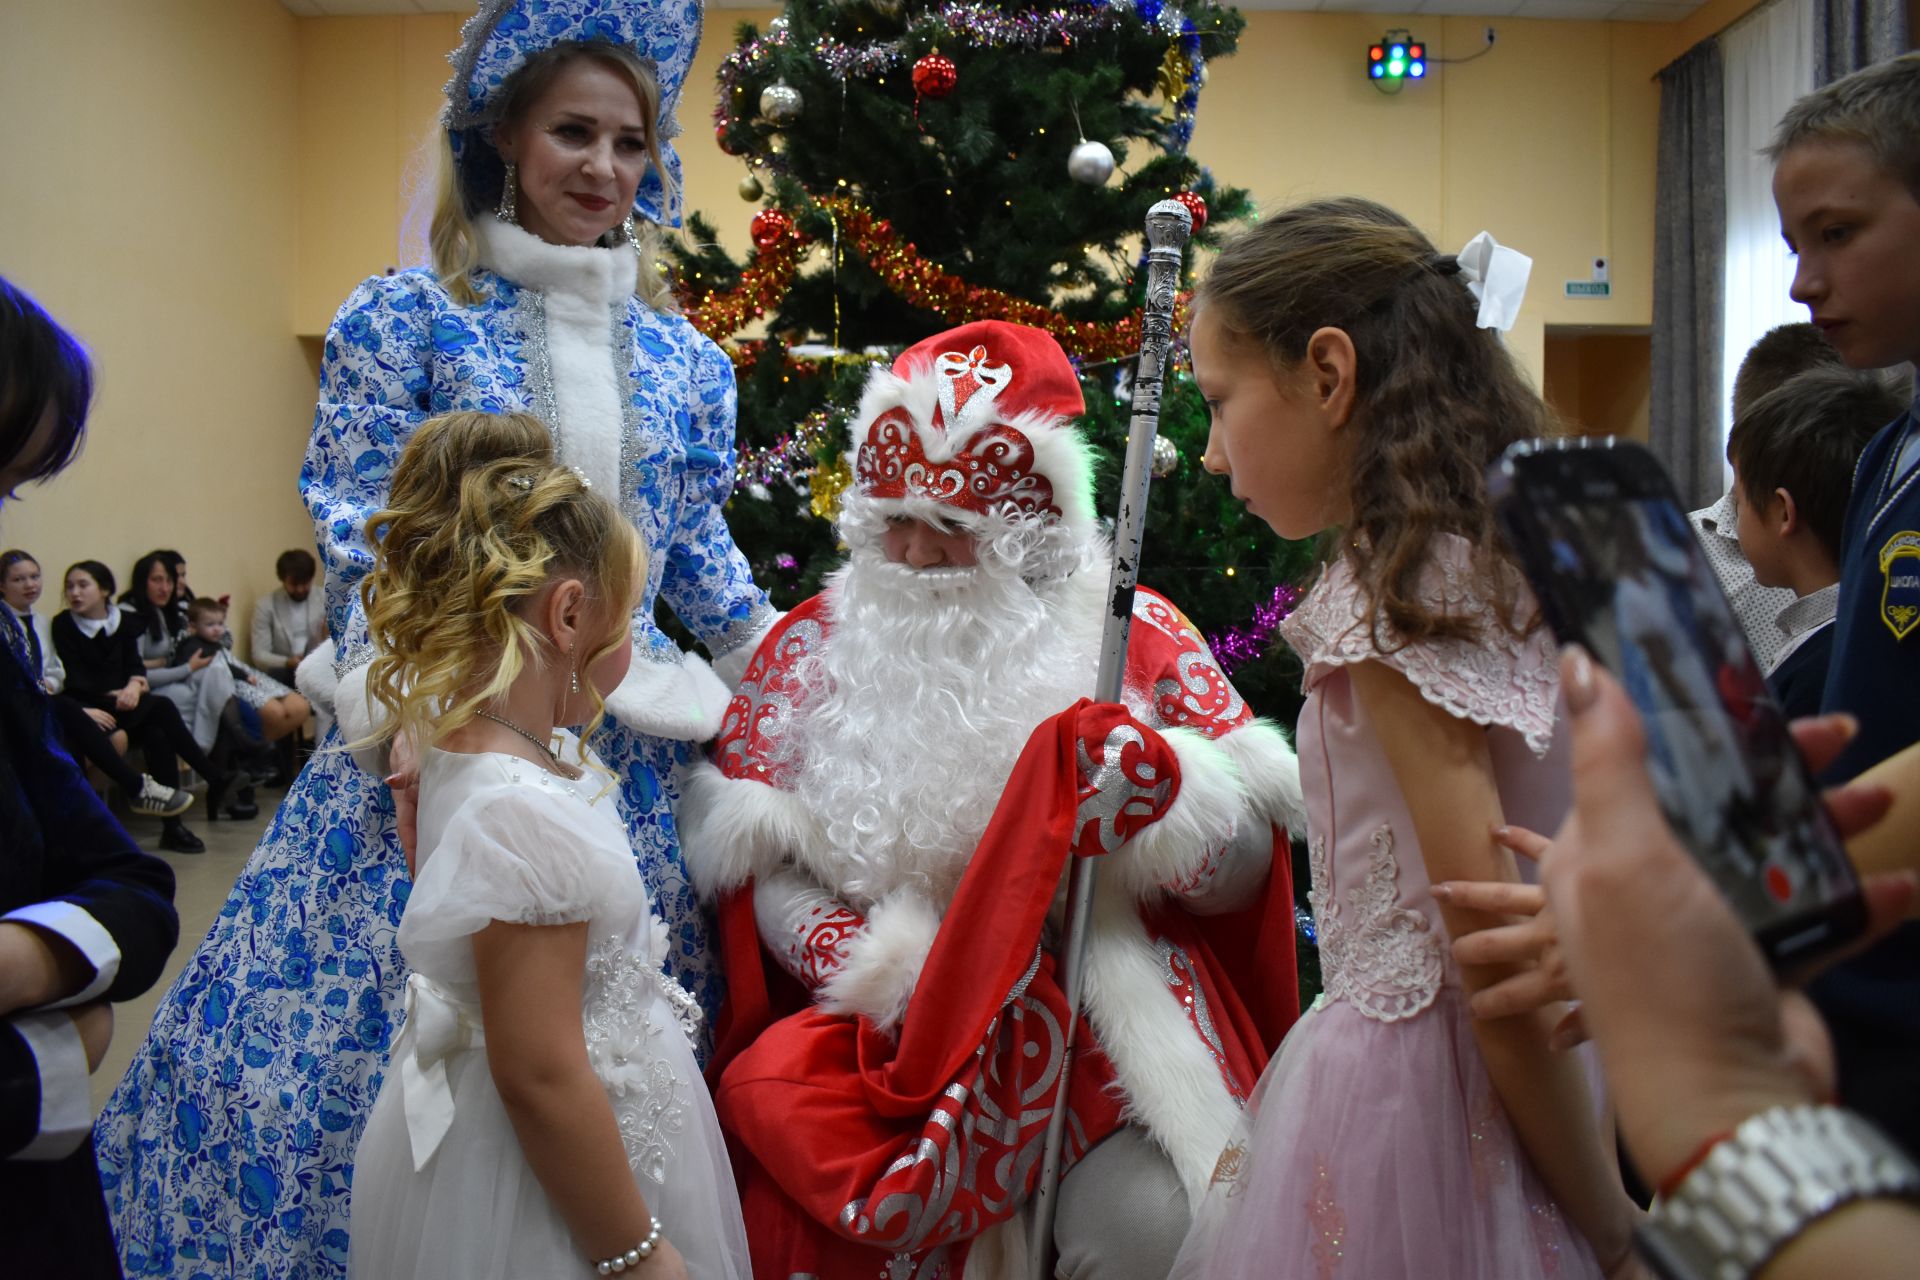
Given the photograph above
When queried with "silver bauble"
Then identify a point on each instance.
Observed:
(750, 189)
(781, 103)
(777, 28)
(1166, 457)
(1091, 163)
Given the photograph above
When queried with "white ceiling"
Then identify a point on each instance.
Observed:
(1566, 10)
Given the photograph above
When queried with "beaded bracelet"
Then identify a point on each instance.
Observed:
(632, 1257)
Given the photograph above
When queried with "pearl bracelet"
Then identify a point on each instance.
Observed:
(632, 1257)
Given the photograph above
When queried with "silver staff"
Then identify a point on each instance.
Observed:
(1169, 224)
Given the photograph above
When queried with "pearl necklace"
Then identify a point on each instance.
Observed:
(568, 771)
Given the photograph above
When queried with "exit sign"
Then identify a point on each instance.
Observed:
(1589, 289)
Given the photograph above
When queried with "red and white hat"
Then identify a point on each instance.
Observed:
(976, 421)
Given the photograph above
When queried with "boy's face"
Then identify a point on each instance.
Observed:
(1856, 229)
(213, 627)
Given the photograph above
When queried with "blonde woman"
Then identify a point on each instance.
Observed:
(230, 1141)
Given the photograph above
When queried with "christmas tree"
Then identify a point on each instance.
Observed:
(919, 166)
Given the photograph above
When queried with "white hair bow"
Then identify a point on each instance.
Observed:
(1497, 276)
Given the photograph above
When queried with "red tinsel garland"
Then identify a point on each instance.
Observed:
(916, 279)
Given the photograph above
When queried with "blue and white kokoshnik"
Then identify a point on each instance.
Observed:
(498, 40)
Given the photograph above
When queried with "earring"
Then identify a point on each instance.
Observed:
(509, 211)
(573, 677)
(632, 233)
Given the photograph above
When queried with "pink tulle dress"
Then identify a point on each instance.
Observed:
(1374, 1146)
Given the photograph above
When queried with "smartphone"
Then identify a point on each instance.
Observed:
(1614, 563)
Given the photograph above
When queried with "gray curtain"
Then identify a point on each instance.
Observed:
(1689, 271)
(1851, 34)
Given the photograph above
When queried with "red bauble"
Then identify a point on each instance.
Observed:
(720, 137)
(1195, 206)
(770, 227)
(935, 75)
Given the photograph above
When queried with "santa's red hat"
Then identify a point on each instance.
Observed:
(973, 422)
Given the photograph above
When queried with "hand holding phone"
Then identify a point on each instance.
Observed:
(1601, 537)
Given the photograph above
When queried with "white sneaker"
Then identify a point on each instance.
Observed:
(158, 801)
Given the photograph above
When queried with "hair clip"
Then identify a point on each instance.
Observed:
(523, 482)
(582, 476)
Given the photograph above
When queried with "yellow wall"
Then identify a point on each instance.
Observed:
(148, 202)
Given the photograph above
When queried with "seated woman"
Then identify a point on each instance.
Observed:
(91, 734)
(269, 710)
(105, 673)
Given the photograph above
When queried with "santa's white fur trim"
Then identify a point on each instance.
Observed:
(681, 701)
(883, 961)
(1209, 807)
(1270, 773)
(733, 829)
(580, 285)
(1059, 452)
(1001, 1250)
(1173, 1086)
(732, 664)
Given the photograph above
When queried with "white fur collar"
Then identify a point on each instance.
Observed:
(594, 275)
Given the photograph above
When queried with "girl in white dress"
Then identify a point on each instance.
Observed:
(543, 1115)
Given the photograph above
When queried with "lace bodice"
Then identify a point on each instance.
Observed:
(1383, 948)
(503, 840)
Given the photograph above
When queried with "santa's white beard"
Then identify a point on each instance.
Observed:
(918, 705)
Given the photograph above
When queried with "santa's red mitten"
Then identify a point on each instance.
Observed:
(1128, 778)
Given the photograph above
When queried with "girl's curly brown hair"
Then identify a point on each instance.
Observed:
(479, 519)
(1437, 397)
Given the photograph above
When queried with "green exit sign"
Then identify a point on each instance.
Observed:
(1589, 289)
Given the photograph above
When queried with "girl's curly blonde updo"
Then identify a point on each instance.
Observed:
(480, 518)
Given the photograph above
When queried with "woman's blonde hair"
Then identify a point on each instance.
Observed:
(480, 519)
(1437, 397)
(467, 188)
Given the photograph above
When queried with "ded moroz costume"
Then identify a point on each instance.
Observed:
(888, 876)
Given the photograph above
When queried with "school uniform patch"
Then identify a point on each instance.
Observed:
(1900, 583)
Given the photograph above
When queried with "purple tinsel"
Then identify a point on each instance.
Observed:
(1237, 646)
(987, 28)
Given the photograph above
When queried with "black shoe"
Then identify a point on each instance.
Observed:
(243, 806)
(175, 837)
(217, 786)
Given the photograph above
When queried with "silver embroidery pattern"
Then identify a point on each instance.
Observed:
(1384, 959)
(1116, 790)
(623, 1042)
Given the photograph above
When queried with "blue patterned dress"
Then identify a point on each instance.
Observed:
(227, 1148)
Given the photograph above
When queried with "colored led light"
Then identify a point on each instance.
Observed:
(1416, 51)
(1399, 51)
(1417, 69)
(1379, 70)
(1396, 68)
(1376, 53)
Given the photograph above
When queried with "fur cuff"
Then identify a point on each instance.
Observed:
(1210, 806)
(680, 701)
(359, 719)
(1269, 772)
(315, 678)
(883, 962)
(733, 829)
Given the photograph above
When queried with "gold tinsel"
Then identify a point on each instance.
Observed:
(1172, 80)
(826, 485)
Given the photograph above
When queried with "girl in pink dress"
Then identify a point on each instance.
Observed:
(1357, 390)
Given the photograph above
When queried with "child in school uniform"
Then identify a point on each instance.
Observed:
(1793, 455)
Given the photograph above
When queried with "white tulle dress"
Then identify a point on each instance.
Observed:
(441, 1188)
